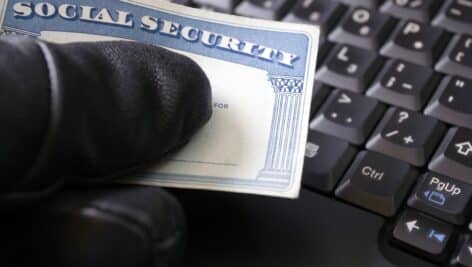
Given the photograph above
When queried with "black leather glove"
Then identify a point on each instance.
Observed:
(81, 114)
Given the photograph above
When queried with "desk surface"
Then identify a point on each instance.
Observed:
(241, 230)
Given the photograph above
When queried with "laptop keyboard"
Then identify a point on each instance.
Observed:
(391, 124)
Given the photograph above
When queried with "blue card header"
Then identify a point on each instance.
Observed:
(277, 52)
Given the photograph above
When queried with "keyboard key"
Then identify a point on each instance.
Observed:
(364, 28)
(348, 116)
(350, 68)
(407, 135)
(320, 93)
(404, 84)
(376, 182)
(419, 10)
(452, 102)
(442, 197)
(455, 16)
(463, 256)
(415, 42)
(457, 59)
(372, 4)
(324, 13)
(264, 9)
(454, 156)
(226, 6)
(326, 158)
(323, 51)
(423, 232)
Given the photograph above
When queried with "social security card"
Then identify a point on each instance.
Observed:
(261, 74)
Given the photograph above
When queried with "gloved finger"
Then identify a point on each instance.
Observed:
(120, 226)
(85, 112)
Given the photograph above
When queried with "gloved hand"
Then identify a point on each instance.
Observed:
(75, 116)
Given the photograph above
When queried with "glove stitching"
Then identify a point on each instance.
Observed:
(55, 114)
(10, 201)
(143, 225)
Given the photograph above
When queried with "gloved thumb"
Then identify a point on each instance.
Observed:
(87, 112)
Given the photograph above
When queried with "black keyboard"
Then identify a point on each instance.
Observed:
(391, 124)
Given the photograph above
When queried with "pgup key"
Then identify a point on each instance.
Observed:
(442, 197)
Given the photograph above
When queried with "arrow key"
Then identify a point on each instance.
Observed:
(463, 256)
(422, 232)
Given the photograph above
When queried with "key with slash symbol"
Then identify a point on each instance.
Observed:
(407, 135)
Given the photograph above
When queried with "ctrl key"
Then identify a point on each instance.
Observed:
(376, 182)
(423, 233)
